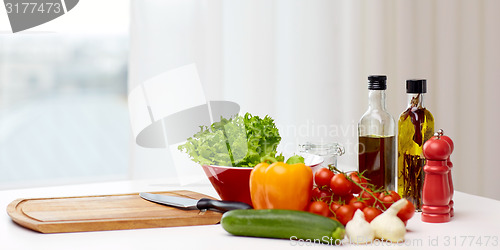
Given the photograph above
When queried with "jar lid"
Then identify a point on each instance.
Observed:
(415, 86)
(322, 149)
(377, 82)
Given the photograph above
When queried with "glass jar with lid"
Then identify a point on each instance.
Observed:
(328, 151)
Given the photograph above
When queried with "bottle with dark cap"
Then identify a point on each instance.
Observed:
(376, 134)
(415, 127)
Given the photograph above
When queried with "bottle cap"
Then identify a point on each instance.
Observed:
(377, 82)
(415, 86)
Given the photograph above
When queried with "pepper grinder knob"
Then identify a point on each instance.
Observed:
(436, 190)
(439, 133)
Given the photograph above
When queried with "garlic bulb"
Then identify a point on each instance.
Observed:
(358, 230)
(388, 226)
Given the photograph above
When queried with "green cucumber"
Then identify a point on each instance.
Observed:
(283, 224)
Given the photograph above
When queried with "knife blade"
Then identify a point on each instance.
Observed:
(188, 203)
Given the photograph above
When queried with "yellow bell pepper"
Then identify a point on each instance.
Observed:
(281, 186)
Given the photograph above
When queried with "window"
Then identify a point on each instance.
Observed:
(63, 98)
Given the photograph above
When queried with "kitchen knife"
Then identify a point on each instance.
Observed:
(187, 203)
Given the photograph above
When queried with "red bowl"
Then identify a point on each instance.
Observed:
(231, 183)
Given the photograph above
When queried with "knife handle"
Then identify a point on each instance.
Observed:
(222, 206)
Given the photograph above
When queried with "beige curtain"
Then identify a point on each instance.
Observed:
(306, 62)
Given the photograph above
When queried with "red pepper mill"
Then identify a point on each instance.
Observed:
(436, 195)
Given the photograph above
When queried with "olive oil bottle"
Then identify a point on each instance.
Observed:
(376, 134)
(415, 127)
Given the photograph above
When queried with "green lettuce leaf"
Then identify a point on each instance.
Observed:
(240, 141)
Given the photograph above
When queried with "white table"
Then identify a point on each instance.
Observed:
(476, 221)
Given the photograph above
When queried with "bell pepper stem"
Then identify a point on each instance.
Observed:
(268, 159)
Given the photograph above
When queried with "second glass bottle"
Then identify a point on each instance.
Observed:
(415, 126)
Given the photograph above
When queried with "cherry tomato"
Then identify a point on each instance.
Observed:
(371, 213)
(386, 201)
(335, 205)
(344, 213)
(323, 176)
(406, 212)
(395, 196)
(357, 203)
(340, 185)
(355, 177)
(319, 207)
(323, 194)
(368, 197)
(315, 194)
(388, 198)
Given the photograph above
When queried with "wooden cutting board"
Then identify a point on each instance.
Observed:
(108, 212)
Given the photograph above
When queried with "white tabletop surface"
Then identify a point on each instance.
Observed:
(476, 225)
